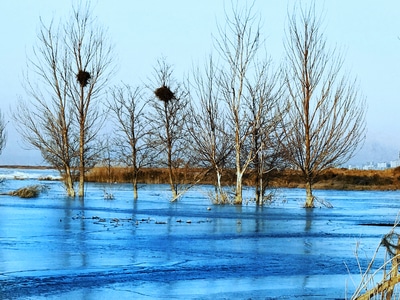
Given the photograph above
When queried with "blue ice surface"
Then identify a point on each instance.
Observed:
(55, 247)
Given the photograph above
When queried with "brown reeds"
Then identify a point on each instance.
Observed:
(32, 191)
(339, 179)
(370, 287)
(157, 175)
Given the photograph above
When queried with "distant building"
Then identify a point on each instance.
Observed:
(395, 163)
(353, 167)
(370, 166)
(378, 166)
(383, 165)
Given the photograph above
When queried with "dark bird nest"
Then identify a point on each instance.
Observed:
(83, 78)
(164, 93)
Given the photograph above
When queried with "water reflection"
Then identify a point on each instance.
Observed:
(259, 218)
(308, 243)
(239, 210)
(309, 219)
(72, 238)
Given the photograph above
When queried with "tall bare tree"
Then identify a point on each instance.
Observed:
(72, 61)
(325, 123)
(209, 143)
(239, 45)
(168, 118)
(129, 110)
(91, 62)
(264, 105)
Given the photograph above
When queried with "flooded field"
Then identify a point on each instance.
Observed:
(53, 247)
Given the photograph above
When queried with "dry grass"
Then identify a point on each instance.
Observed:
(151, 175)
(343, 179)
(370, 287)
(339, 179)
(32, 191)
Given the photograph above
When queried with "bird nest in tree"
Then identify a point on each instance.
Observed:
(164, 93)
(83, 77)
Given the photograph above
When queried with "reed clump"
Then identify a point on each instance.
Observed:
(32, 191)
(371, 286)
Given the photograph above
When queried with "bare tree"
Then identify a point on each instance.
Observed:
(90, 60)
(72, 63)
(128, 106)
(168, 118)
(325, 123)
(209, 144)
(239, 45)
(46, 121)
(264, 105)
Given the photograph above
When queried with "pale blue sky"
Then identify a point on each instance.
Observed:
(181, 30)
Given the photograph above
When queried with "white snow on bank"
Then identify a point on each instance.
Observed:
(24, 174)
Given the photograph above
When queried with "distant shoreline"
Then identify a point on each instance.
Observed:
(25, 167)
(331, 179)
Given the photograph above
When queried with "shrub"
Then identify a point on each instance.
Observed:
(28, 192)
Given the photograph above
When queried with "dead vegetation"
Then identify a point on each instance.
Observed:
(333, 179)
(386, 288)
(31, 191)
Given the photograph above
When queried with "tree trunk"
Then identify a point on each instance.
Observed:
(135, 188)
(69, 183)
(219, 188)
(169, 152)
(170, 170)
(258, 193)
(219, 194)
(81, 191)
(259, 179)
(260, 190)
(238, 193)
(172, 185)
(309, 196)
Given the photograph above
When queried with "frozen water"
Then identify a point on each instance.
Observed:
(54, 247)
